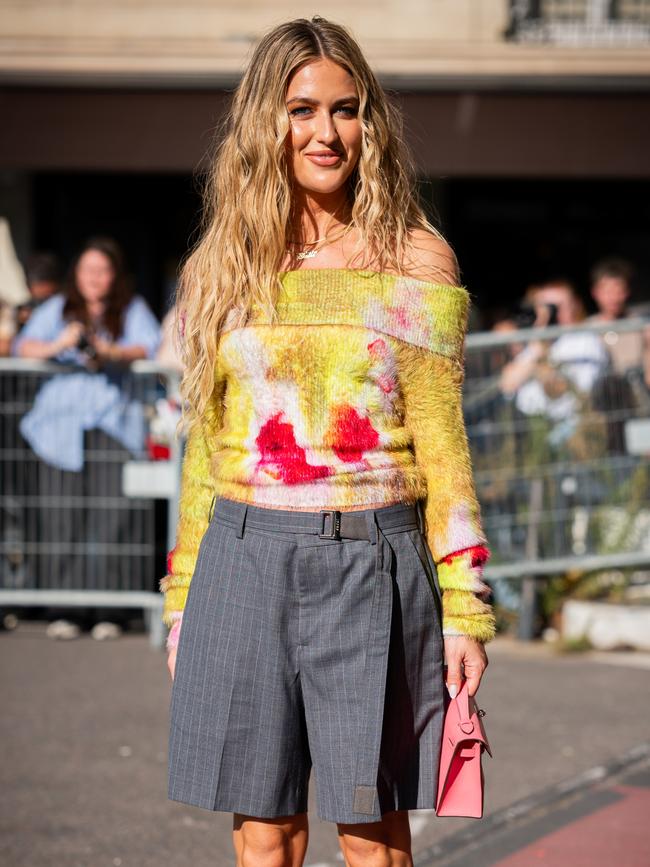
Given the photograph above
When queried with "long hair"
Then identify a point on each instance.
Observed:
(248, 202)
(119, 294)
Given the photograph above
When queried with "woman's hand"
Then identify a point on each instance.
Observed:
(106, 351)
(465, 651)
(116, 353)
(68, 338)
(171, 661)
(523, 366)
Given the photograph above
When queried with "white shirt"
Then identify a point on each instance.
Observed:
(581, 357)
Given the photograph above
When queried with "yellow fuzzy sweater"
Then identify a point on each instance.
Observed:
(352, 399)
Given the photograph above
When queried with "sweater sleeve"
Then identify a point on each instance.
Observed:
(196, 494)
(432, 389)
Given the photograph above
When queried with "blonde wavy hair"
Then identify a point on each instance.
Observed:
(247, 197)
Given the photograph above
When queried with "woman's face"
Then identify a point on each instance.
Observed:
(324, 141)
(95, 274)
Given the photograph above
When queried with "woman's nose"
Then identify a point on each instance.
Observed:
(325, 128)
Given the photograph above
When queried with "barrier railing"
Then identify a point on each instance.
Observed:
(79, 525)
(565, 487)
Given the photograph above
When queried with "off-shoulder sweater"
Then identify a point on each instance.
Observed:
(351, 399)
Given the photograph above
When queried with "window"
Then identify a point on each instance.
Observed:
(580, 22)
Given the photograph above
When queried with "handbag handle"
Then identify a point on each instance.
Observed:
(462, 704)
(465, 723)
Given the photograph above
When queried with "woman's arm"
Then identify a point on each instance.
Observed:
(196, 494)
(46, 333)
(108, 351)
(432, 388)
(645, 334)
(7, 328)
(68, 339)
(140, 337)
(41, 349)
(524, 366)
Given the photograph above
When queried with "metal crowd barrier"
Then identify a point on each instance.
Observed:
(91, 537)
(559, 494)
(555, 495)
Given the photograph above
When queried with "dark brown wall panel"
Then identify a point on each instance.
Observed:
(453, 134)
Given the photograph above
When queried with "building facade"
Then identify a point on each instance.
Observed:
(491, 91)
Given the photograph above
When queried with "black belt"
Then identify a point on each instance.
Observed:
(327, 523)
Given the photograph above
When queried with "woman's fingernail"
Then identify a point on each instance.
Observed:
(453, 689)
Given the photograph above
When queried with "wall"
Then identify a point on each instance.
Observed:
(203, 42)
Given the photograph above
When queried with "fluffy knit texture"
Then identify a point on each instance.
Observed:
(353, 398)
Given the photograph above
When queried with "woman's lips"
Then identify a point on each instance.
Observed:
(324, 159)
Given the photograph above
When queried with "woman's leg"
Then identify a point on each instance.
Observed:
(378, 844)
(277, 842)
(112, 520)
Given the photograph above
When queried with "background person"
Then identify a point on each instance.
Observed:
(549, 386)
(96, 319)
(548, 376)
(84, 424)
(7, 327)
(13, 287)
(43, 275)
(625, 389)
(611, 289)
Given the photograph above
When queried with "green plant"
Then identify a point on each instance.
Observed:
(579, 644)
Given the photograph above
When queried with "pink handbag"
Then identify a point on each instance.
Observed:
(460, 779)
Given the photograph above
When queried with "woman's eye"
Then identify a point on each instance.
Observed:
(346, 110)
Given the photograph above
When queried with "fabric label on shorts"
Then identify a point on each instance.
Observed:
(364, 799)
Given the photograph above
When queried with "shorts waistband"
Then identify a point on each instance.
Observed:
(325, 523)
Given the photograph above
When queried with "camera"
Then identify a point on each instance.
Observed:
(526, 314)
(552, 316)
(85, 346)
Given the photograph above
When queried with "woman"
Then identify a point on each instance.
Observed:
(85, 423)
(96, 319)
(322, 335)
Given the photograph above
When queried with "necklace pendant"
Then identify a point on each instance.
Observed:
(306, 254)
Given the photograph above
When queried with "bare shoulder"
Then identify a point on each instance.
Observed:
(431, 258)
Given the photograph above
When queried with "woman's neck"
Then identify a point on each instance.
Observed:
(316, 217)
(95, 309)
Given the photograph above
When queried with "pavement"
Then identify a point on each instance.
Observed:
(84, 729)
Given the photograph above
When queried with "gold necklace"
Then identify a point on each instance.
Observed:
(307, 254)
(318, 244)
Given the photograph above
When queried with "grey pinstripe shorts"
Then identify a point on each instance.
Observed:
(300, 651)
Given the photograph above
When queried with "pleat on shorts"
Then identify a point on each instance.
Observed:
(298, 651)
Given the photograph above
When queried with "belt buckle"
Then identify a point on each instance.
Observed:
(335, 532)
